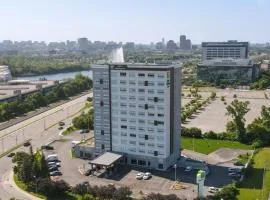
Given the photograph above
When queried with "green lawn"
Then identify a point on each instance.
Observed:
(251, 188)
(207, 146)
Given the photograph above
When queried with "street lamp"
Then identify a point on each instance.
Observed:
(175, 166)
(36, 182)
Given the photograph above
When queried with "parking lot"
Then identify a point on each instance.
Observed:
(160, 182)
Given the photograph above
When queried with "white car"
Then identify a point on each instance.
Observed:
(147, 175)
(231, 169)
(139, 176)
(54, 163)
(188, 169)
(213, 189)
(52, 155)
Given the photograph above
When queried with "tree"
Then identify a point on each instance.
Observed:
(158, 196)
(237, 110)
(228, 192)
(122, 193)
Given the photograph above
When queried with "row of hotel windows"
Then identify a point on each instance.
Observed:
(139, 83)
(133, 105)
(140, 90)
(134, 113)
(150, 151)
(142, 144)
(142, 136)
(133, 74)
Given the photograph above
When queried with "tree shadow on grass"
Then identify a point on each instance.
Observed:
(254, 179)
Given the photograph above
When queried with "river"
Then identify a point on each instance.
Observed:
(58, 76)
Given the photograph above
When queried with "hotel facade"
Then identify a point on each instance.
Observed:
(138, 112)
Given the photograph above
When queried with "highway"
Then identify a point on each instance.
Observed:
(36, 125)
(42, 129)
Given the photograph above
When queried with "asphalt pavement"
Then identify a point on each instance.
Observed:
(34, 128)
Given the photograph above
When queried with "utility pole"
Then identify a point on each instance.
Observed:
(175, 166)
(193, 142)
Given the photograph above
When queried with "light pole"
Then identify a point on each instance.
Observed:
(36, 182)
(193, 142)
(175, 166)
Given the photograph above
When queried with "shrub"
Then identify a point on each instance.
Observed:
(222, 98)
(191, 132)
(257, 144)
(210, 135)
(234, 96)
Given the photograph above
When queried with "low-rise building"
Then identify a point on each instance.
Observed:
(223, 71)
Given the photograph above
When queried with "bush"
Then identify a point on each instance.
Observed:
(222, 98)
(191, 132)
(257, 144)
(234, 96)
(210, 135)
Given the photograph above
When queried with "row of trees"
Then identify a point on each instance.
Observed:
(9, 110)
(195, 104)
(109, 192)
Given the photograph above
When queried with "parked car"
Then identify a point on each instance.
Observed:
(61, 123)
(52, 159)
(47, 147)
(213, 189)
(52, 155)
(54, 163)
(233, 174)
(11, 154)
(26, 144)
(60, 127)
(147, 175)
(139, 176)
(53, 168)
(188, 169)
(84, 131)
(55, 173)
(236, 170)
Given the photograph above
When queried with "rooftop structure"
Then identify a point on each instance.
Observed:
(137, 112)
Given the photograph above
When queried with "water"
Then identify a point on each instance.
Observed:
(58, 76)
(117, 55)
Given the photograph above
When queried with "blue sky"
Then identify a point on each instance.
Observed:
(142, 21)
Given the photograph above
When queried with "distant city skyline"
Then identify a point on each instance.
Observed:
(136, 21)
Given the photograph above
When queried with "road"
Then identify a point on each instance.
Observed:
(36, 125)
(42, 129)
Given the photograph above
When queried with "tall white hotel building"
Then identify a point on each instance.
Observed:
(137, 112)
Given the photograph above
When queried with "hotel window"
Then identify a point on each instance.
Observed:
(160, 115)
(160, 84)
(151, 75)
(141, 90)
(102, 146)
(160, 75)
(101, 103)
(151, 91)
(132, 135)
(141, 98)
(123, 134)
(102, 132)
(151, 145)
(141, 129)
(141, 114)
(132, 74)
(141, 151)
(132, 83)
(123, 112)
(160, 91)
(123, 74)
(155, 99)
(123, 120)
(141, 75)
(132, 90)
(123, 82)
(141, 121)
(123, 127)
(160, 145)
(133, 128)
(145, 83)
(146, 137)
(132, 98)
(132, 142)
(123, 89)
(151, 114)
(132, 105)
(100, 81)
(145, 106)
(141, 143)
